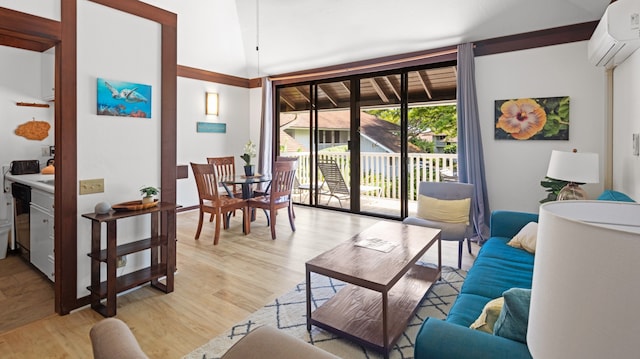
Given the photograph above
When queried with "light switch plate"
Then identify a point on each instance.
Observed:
(92, 186)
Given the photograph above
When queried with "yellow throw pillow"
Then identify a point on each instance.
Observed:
(450, 211)
(489, 315)
(526, 239)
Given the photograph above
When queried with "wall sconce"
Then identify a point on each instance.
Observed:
(212, 104)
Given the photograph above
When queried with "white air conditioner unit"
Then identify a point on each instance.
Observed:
(617, 35)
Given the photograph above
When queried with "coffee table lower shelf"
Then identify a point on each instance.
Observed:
(357, 313)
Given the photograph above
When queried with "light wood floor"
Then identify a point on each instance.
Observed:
(215, 287)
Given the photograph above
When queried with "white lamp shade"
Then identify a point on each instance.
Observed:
(580, 167)
(585, 291)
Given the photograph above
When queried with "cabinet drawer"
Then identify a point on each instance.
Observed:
(42, 199)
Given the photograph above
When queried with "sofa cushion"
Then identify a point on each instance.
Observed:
(526, 239)
(466, 308)
(497, 268)
(489, 315)
(514, 317)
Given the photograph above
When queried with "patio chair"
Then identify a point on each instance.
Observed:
(279, 196)
(454, 225)
(212, 202)
(337, 186)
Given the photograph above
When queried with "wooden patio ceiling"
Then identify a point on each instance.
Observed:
(425, 86)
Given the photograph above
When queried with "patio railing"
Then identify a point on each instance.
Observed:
(383, 169)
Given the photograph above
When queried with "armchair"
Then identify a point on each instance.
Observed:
(450, 231)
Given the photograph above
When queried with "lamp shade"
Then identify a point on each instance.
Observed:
(585, 290)
(580, 167)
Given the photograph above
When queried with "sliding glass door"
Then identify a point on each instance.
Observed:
(364, 142)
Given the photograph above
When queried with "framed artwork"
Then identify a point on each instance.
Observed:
(119, 98)
(545, 118)
(211, 127)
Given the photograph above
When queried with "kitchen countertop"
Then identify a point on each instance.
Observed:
(36, 180)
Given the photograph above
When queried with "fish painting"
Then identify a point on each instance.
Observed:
(126, 99)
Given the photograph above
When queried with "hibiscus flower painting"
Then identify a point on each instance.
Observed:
(532, 119)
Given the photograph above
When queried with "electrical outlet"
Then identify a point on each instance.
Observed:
(121, 261)
(92, 186)
(45, 151)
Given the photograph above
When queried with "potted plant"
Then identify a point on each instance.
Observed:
(249, 153)
(148, 193)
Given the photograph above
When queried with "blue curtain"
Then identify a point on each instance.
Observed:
(265, 152)
(470, 156)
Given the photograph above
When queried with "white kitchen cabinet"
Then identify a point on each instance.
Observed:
(41, 236)
(48, 62)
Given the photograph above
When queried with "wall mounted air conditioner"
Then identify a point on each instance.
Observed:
(617, 35)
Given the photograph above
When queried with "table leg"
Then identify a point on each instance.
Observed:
(385, 332)
(111, 269)
(308, 290)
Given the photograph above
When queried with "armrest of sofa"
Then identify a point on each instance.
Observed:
(508, 223)
(268, 342)
(112, 338)
(438, 339)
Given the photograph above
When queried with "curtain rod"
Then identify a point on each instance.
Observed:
(366, 67)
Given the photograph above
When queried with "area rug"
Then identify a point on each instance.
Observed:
(288, 313)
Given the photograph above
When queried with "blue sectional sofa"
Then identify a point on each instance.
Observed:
(497, 268)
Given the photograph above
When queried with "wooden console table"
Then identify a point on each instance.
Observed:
(162, 245)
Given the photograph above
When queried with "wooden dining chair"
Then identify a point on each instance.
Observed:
(226, 167)
(212, 202)
(279, 196)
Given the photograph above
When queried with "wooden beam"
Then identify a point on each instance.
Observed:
(210, 76)
(394, 88)
(424, 81)
(345, 84)
(302, 94)
(335, 104)
(378, 89)
(288, 102)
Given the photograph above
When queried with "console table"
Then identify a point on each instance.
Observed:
(162, 245)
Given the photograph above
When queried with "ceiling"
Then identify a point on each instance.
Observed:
(294, 35)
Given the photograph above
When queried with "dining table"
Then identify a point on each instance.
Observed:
(246, 182)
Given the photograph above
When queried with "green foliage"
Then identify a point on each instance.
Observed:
(149, 191)
(452, 148)
(438, 119)
(553, 187)
(557, 109)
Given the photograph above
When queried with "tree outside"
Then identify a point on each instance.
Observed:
(440, 120)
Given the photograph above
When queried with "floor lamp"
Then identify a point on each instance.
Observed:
(585, 290)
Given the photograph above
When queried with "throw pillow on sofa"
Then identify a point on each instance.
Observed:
(489, 315)
(526, 239)
(440, 210)
(514, 317)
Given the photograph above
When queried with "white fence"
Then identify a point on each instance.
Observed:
(383, 169)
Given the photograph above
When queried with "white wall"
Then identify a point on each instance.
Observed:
(514, 169)
(21, 81)
(196, 147)
(626, 107)
(43, 8)
(124, 151)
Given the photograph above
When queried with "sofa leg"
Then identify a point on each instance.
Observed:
(460, 243)
(469, 245)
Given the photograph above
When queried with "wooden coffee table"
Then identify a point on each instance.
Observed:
(385, 288)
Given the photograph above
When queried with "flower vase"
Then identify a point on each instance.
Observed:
(249, 170)
(146, 200)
